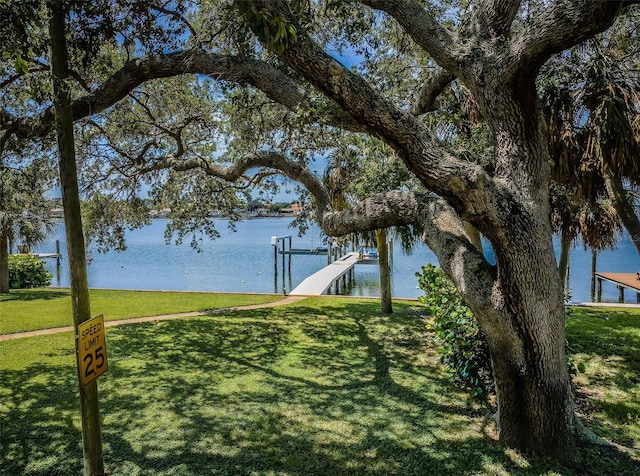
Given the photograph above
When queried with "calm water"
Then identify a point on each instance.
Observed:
(243, 262)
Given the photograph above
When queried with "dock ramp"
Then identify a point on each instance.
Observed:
(319, 282)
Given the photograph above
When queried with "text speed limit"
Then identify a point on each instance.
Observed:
(92, 350)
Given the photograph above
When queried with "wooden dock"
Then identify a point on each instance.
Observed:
(46, 255)
(622, 281)
(25, 250)
(320, 282)
(303, 251)
(38, 255)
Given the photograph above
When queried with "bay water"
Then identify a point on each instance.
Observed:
(243, 261)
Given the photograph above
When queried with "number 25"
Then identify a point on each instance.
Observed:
(89, 369)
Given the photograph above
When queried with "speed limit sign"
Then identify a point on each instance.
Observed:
(92, 350)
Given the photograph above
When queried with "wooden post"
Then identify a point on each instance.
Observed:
(57, 252)
(283, 257)
(58, 276)
(275, 258)
(90, 414)
(620, 293)
(599, 289)
(594, 259)
(289, 256)
(275, 280)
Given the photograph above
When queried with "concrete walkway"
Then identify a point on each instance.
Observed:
(284, 302)
(164, 317)
(629, 305)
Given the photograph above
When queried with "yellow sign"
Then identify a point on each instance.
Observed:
(92, 350)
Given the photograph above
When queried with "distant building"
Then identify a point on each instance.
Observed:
(293, 209)
(262, 209)
(164, 213)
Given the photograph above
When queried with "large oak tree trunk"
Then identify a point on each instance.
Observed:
(535, 402)
(519, 306)
(524, 322)
(535, 409)
(4, 264)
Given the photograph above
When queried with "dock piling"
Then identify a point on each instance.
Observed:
(620, 294)
(599, 297)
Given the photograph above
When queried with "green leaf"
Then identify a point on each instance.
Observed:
(21, 65)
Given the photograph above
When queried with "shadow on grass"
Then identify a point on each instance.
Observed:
(296, 390)
(38, 424)
(33, 295)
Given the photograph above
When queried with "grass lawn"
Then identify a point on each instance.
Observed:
(32, 309)
(605, 347)
(326, 386)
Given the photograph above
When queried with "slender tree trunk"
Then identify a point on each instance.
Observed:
(385, 272)
(563, 262)
(594, 267)
(80, 303)
(624, 208)
(4, 263)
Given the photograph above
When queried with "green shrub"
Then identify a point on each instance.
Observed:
(463, 348)
(27, 271)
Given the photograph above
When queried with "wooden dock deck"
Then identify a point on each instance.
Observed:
(24, 250)
(319, 282)
(46, 255)
(621, 280)
(303, 251)
(40, 255)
